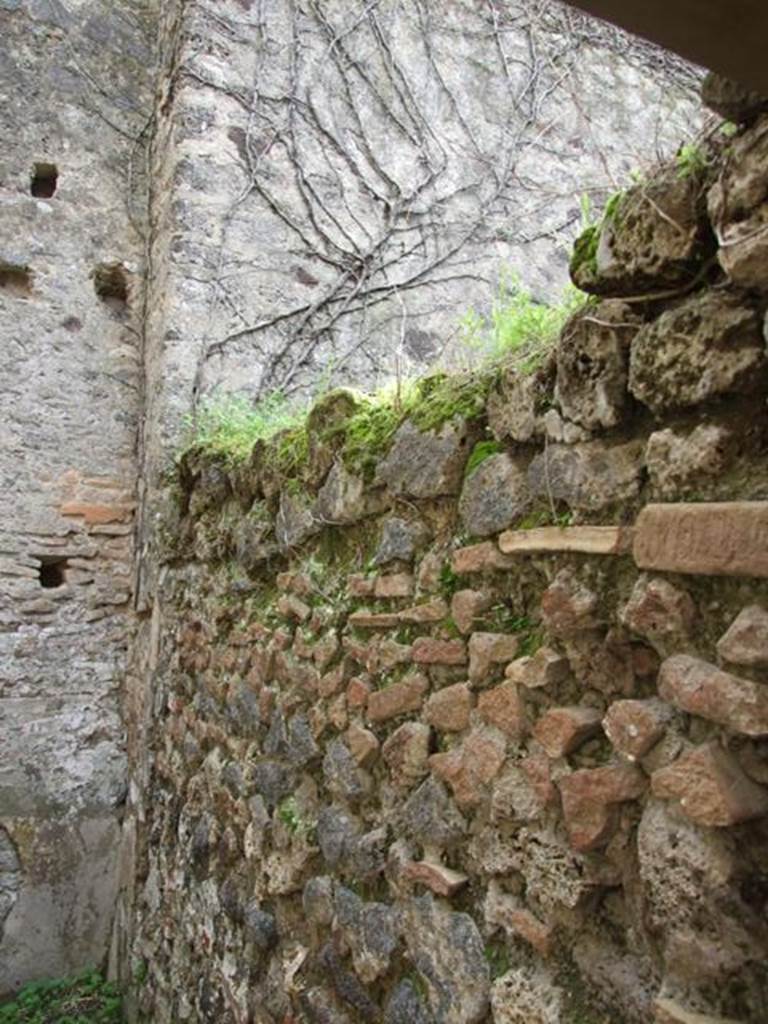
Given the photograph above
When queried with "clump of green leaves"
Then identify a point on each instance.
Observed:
(498, 959)
(84, 999)
(519, 328)
(482, 451)
(230, 425)
(691, 161)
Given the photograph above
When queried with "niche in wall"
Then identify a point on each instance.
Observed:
(110, 282)
(44, 180)
(52, 572)
(15, 279)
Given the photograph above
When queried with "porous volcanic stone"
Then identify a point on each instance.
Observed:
(587, 476)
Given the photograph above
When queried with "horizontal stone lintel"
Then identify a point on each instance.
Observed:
(590, 540)
(708, 539)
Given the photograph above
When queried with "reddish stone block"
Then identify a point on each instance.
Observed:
(358, 692)
(467, 606)
(746, 640)
(397, 699)
(486, 650)
(545, 668)
(297, 582)
(710, 787)
(502, 707)
(505, 912)
(440, 879)
(568, 607)
(293, 607)
(469, 769)
(484, 557)
(448, 710)
(391, 653)
(398, 584)
(537, 770)
(331, 682)
(362, 745)
(589, 797)
(660, 612)
(360, 586)
(701, 689)
(431, 651)
(422, 614)
(325, 650)
(634, 726)
(406, 753)
(562, 730)
(372, 620)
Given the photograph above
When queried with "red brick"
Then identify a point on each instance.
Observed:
(562, 730)
(297, 582)
(432, 651)
(701, 689)
(331, 682)
(503, 708)
(589, 797)
(440, 879)
(486, 650)
(448, 710)
(397, 699)
(710, 787)
(293, 607)
(467, 606)
(372, 620)
(634, 726)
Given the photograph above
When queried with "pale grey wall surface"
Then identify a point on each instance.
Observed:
(74, 79)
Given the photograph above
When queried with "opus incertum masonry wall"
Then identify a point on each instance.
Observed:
(471, 725)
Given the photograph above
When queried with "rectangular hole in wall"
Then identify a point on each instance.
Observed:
(15, 279)
(52, 572)
(44, 181)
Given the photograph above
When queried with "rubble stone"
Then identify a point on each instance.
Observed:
(560, 731)
(494, 496)
(701, 689)
(746, 640)
(587, 476)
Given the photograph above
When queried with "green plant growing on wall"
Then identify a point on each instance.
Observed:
(231, 424)
(85, 999)
(519, 328)
(290, 814)
(691, 161)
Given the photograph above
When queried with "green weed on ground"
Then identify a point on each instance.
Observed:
(84, 999)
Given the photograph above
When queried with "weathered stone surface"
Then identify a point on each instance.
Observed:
(447, 951)
(506, 912)
(562, 730)
(517, 404)
(587, 476)
(426, 464)
(400, 540)
(469, 768)
(448, 710)
(432, 651)
(717, 539)
(430, 817)
(661, 613)
(676, 461)
(593, 365)
(634, 726)
(746, 640)
(738, 206)
(568, 606)
(399, 584)
(523, 789)
(494, 495)
(295, 521)
(405, 753)
(397, 698)
(341, 773)
(502, 707)
(527, 995)
(590, 796)
(487, 650)
(708, 346)
(730, 99)
(483, 557)
(467, 606)
(373, 620)
(588, 540)
(369, 929)
(430, 611)
(341, 499)
(544, 668)
(362, 745)
(654, 238)
(710, 787)
(404, 1006)
(701, 689)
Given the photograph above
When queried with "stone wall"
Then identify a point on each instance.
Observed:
(466, 721)
(74, 80)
